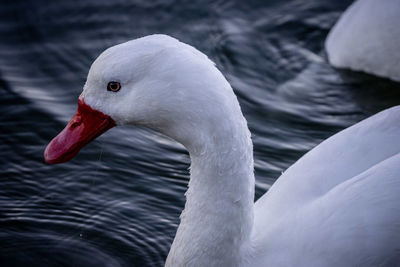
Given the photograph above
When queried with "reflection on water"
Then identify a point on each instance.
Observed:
(118, 202)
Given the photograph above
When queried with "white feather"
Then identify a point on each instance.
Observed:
(367, 38)
(337, 206)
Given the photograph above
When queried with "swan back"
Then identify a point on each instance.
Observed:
(340, 197)
(367, 38)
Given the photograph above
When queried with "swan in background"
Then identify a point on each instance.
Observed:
(339, 205)
(367, 38)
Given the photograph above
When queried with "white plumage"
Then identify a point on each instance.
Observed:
(336, 206)
(367, 38)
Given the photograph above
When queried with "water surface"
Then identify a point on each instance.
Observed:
(118, 202)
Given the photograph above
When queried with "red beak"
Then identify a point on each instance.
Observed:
(84, 126)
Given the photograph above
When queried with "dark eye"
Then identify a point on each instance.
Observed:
(113, 86)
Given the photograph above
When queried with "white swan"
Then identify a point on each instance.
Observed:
(367, 38)
(337, 206)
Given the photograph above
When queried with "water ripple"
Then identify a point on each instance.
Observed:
(118, 202)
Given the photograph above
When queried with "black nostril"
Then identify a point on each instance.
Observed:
(76, 122)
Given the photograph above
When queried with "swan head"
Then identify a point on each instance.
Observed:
(155, 81)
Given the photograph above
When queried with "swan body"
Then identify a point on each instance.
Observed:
(367, 38)
(337, 206)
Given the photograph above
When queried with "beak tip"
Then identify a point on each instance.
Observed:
(47, 156)
(53, 154)
(59, 151)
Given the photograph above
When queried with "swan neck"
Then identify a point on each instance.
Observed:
(218, 215)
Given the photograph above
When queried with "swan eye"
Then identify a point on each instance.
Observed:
(113, 86)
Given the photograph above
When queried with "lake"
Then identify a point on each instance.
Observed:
(118, 202)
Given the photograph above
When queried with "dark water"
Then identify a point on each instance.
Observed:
(118, 202)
